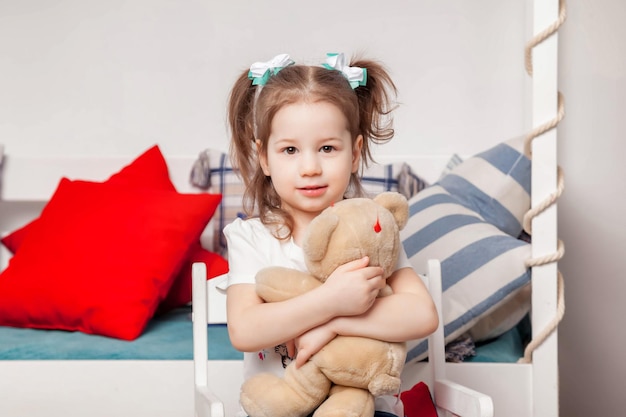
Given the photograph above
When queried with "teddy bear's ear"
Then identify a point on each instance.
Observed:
(397, 204)
(318, 235)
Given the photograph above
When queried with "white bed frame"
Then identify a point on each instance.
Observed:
(140, 388)
(32, 388)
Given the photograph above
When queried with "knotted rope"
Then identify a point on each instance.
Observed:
(542, 36)
(551, 199)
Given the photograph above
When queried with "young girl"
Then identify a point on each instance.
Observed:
(300, 136)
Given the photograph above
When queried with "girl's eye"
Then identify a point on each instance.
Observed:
(327, 148)
(290, 150)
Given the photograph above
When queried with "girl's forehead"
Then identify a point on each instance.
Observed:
(309, 114)
(309, 121)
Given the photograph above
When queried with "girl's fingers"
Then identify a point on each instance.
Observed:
(291, 348)
(354, 265)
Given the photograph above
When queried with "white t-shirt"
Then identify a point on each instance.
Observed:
(251, 247)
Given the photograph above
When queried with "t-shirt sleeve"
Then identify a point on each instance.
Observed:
(247, 244)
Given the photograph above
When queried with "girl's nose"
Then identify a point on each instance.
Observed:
(310, 164)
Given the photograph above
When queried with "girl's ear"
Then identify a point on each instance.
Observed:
(356, 153)
(262, 158)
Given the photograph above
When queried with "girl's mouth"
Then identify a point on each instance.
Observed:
(313, 191)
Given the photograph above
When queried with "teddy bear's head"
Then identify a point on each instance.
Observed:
(353, 228)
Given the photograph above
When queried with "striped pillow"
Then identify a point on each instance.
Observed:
(495, 184)
(470, 220)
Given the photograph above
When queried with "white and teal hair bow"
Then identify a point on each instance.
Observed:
(260, 72)
(356, 76)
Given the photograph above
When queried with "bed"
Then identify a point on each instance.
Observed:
(132, 377)
(72, 372)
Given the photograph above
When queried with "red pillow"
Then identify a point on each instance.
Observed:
(101, 257)
(180, 293)
(418, 402)
(149, 170)
(14, 240)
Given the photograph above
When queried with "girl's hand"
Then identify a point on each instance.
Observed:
(291, 348)
(311, 342)
(352, 288)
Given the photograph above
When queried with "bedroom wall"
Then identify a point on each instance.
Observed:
(93, 78)
(591, 213)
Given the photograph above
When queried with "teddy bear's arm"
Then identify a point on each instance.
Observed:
(279, 283)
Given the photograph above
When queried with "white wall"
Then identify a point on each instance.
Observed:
(80, 77)
(592, 339)
(105, 77)
(97, 77)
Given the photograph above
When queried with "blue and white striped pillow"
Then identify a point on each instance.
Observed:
(470, 220)
(495, 184)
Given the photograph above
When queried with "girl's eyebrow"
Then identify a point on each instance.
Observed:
(331, 140)
(283, 141)
(288, 140)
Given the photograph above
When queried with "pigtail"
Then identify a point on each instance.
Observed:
(376, 103)
(243, 152)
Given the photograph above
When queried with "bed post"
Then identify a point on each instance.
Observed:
(544, 226)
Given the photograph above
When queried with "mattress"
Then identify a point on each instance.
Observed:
(169, 337)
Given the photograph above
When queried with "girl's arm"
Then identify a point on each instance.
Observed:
(254, 325)
(409, 313)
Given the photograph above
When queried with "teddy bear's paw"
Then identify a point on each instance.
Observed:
(384, 385)
(346, 402)
(295, 395)
(276, 283)
(266, 395)
(342, 412)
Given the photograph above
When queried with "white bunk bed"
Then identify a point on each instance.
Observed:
(166, 388)
(106, 387)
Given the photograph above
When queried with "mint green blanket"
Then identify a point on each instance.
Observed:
(168, 337)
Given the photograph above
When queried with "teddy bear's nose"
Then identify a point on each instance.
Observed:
(377, 227)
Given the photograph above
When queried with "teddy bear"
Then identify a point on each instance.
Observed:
(343, 378)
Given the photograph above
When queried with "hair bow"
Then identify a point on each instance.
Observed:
(356, 76)
(260, 72)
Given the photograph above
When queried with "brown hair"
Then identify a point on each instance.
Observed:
(250, 114)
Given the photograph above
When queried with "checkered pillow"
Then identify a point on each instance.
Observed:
(214, 172)
(396, 177)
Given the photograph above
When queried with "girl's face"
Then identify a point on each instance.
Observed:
(310, 157)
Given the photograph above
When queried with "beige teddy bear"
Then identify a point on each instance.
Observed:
(345, 375)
